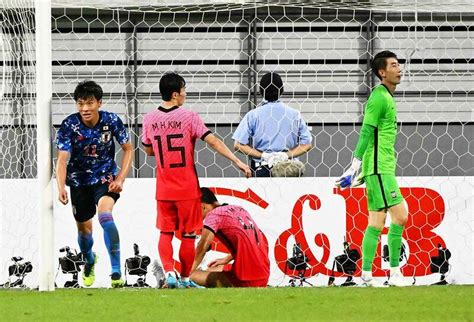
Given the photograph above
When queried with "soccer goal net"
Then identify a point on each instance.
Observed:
(322, 50)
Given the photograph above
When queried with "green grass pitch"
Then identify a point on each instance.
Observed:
(433, 303)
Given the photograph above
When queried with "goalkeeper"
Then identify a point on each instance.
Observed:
(375, 153)
(277, 131)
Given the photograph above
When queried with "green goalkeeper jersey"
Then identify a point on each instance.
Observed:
(381, 113)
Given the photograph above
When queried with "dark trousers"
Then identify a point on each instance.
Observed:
(261, 171)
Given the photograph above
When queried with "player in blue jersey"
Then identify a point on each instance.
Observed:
(85, 143)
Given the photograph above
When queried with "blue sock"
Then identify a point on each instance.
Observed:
(86, 241)
(112, 240)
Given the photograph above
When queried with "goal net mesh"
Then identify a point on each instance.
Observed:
(322, 51)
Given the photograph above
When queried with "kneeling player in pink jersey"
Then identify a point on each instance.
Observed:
(235, 228)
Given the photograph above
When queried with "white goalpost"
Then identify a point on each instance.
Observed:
(322, 50)
(44, 86)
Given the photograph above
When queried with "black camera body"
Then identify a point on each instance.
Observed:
(137, 265)
(386, 253)
(440, 264)
(299, 261)
(71, 263)
(345, 263)
(18, 270)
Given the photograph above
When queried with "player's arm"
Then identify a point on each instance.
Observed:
(149, 150)
(117, 185)
(205, 242)
(221, 148)
(352, 177)
(61, 172)
(366, 132)
(221, 261)
(146, 140)
(373, 111)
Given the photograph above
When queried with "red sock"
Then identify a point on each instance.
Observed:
(186, 255)
(165, 249)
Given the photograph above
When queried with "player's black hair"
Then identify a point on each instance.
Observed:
(271, 86)
(380, 61)
(208, 196)
(88, 89)
(170, 83)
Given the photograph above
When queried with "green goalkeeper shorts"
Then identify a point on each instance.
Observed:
(382, 191)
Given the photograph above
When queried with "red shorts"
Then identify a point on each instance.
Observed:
(182, 215)
(239, 283)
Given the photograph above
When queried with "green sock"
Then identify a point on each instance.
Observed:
(394, 244)
(369, 246)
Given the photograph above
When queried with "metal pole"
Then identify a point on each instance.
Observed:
(136, 141)
(43, 115)
(254, 58)
(370, 27)
(249, 62)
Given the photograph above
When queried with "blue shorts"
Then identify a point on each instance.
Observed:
(84, 200)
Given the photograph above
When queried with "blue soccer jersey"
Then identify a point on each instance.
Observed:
(92, 150)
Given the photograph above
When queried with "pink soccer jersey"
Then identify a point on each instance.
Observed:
(172, 133)
(235, 228)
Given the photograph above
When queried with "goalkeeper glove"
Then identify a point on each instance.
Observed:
(358, 180)
(350, 178)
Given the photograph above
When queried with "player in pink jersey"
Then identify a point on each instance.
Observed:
(169, 133)
(235, 228)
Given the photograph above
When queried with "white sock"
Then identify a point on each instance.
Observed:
(185, 279)
(366, 275)
(395, 271)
